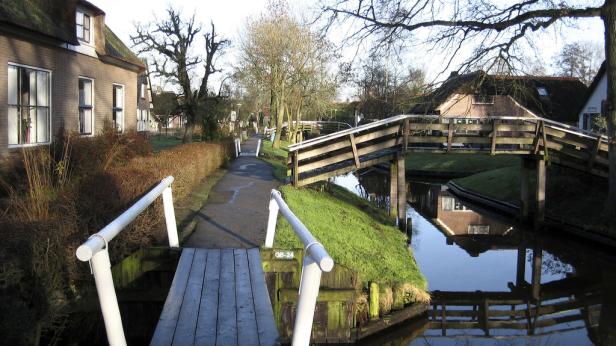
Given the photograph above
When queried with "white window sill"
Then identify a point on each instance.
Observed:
(29, 145)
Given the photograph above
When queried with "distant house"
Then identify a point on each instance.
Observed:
(591, 108)
(64, 69)
(479, 94)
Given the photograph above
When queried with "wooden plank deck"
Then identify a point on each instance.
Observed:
(218, 297)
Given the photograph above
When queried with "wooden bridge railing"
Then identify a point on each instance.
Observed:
(378, 142)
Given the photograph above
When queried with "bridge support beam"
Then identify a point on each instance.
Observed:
(532, 196)
(401, 168)
(393, 190)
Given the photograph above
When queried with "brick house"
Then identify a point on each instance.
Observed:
(64, 69)
(479, 94)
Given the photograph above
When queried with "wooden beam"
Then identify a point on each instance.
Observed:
(494, 135)
(594, 154)
(354, 148)
(401, 170)
(391, 143)
(344, 170)
(540, 192)
(341, 143)
(450, 135)
(406, 134)
(393, 190)
(295, 168)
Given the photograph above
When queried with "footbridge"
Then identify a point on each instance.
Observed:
(389, 140)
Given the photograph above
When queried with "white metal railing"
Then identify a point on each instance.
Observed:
(95, 250)
(316, 261)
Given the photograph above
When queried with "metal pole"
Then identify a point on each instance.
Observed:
(235, 145)
(258, 147)
(308, 292)
(101, 269)
(271, 222)
(172, 231)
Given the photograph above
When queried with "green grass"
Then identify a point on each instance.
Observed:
(502, 183)
(277, 157)
(354, 233)
(459, 163)
(571, 196)
(161, 142)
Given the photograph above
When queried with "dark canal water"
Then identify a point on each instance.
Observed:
(493, 282)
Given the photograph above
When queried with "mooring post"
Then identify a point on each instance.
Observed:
(540, 193)
(400, 162)
(393, 190)
(536, 274)
(374, 301)
(521, 265)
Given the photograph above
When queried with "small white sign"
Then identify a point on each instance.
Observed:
(284, 255)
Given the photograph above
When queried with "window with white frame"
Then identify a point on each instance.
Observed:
(83, 27)
(452, 204)
(143, 119)
(118, 107)
(28, 105)
(142, 90)
(483, 99)
(85, 106)
(478, 229)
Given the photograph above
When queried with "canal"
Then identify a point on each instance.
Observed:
(494, 282)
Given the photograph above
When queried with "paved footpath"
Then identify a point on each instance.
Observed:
(235, 214)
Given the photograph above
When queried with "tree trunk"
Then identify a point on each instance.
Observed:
(279, 120)
(609, 21)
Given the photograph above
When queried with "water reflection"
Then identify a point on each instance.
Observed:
(493, 282)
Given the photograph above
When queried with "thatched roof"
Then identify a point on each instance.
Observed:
(56, 19)
(116, 48)
(565, 94)
(53, 18)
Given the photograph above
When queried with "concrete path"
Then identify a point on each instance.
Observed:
(235, 215)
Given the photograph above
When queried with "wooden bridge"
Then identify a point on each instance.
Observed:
(389, 140)
(218, 296)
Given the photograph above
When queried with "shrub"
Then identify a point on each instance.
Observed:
(57, 196)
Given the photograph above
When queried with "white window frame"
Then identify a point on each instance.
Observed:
(123, 105)
(475, 102)
(93, 105)
(50, 106)
(90, 41)
(142, 90)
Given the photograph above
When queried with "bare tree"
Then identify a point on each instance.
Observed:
(286, 59)
(579, 59)
(496, 30)
(170, 41)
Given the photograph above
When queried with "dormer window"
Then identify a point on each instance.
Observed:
(83, 27)
(542, 91)
(483, 99)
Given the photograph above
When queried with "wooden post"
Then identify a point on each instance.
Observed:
(393, 190)
(520, 266)
(374, 301)
(295, 168)
(525, 188)
(536, 274)
(540, 193)
(400, 163)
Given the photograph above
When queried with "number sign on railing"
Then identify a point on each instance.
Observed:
(96, 248)
(316, 261)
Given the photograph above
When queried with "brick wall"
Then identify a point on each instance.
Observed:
(462, 105)
(66, 68)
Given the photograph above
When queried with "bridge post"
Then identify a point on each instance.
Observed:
(525, 190)
(393, 190)
(540, 192)
(536, 273)
(401, 168)
(532, 200)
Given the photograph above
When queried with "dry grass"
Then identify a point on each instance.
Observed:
(56, 197)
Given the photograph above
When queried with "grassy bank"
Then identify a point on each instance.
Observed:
(574, 197)
(277, 157)
(458, 163)
(355, 234)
